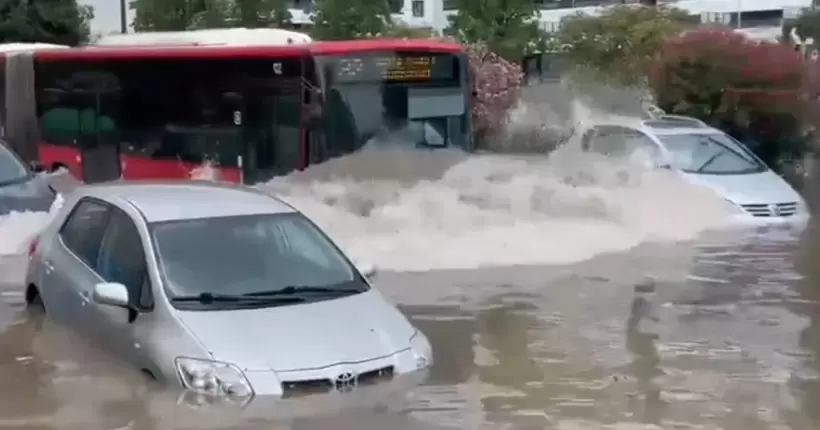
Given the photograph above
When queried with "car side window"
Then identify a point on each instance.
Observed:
(641, 148)
(83, 230)
(608, 140)
(623, 142)
(122, 259)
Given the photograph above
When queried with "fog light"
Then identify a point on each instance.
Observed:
(422, 362)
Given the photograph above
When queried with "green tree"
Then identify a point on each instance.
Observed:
(350, 19)
(508, 27)
(172, 15)
(808, 24)
(260, 13)
(62, 22)
(210, 14)
(180, 15)
(619, 44)
(402, 30)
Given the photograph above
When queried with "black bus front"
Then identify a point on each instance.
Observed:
(416, 97)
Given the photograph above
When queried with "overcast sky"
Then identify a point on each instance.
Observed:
(106, 15)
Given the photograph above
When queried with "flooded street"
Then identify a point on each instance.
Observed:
(723, 333)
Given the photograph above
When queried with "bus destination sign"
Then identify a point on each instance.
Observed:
(395, 68)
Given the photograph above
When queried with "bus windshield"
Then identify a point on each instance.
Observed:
(171, 115)
(416, 98)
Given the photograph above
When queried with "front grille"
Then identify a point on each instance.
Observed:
(307, 387)
(771, 210)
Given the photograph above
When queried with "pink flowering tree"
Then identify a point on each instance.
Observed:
(496, 86)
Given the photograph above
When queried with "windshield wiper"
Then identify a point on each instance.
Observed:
(708, 162)
(208, 298)
(292, 290)
(724, 149)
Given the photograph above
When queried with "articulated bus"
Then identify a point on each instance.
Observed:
(253, 110)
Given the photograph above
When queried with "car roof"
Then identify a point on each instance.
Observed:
(678, 125)
(684, 130)
(187, 199)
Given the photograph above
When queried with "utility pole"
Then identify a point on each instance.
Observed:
(123, 16)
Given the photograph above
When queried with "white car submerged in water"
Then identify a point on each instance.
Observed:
(705, 156)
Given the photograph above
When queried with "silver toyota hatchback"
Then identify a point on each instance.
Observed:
(220, 289)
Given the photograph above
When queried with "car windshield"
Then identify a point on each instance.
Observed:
(711, 153)
(249, 256)
(11, 169)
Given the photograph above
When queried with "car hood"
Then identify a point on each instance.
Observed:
(305, 336)
(31, 194)
(756, 188)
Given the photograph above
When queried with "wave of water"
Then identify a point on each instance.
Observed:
(389, 206)
(408, 209)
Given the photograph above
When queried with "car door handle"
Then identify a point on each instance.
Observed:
(86, 297)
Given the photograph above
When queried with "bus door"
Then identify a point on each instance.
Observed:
(98, 144)
(95, 98)
(271, 122)
(20, 127)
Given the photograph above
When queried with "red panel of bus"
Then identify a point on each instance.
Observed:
(250, 113)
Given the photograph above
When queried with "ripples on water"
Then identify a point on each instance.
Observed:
(721, 336)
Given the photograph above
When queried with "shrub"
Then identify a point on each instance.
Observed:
(616, 45)
(752, 90)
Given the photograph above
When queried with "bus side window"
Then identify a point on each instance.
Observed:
(67, 100)
(59, 121)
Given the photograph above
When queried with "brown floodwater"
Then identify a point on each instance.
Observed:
(722, 333)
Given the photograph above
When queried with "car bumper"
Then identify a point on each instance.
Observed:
(796, 221)
(193, 409)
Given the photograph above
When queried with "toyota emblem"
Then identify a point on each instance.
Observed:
(345, 382)
(774, 210)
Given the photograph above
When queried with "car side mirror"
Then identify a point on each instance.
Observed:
(111, 294)
(367, 270)
(36, 167)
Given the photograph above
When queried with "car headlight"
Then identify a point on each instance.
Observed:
(422, 350)
(213, 378)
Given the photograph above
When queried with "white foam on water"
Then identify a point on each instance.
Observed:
(494, 210)
(409, 209)
(18, 229)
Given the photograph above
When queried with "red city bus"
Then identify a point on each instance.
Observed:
(254, 112)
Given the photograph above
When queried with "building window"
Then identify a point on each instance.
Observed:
(395, 5)
(418, 8)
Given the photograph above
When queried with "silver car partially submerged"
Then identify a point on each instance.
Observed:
(222, 290)
(754, 194)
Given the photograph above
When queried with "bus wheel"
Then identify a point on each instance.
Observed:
(57, 166)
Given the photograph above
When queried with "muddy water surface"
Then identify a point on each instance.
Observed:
(721, 333)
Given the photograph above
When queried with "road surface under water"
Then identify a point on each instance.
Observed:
(722, 332)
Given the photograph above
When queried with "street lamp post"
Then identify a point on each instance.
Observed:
(123, 17)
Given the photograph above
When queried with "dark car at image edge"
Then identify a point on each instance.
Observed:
(21, 187)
